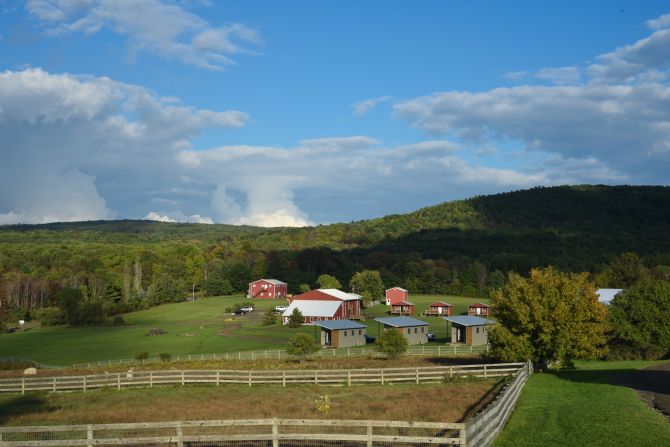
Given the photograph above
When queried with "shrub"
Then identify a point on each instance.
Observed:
(392, 343)
(270, 318)
(165, 357)
(50, 316)
(322, 404)
(142, 356)
(301, 346)
(90, 312)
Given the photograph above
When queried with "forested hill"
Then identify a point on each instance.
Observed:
(459, 247)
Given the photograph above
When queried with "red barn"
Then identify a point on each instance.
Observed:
(479, 309)
(395, 295)
(440, 309)
(402, 308)
(267, 288)
(325, 304)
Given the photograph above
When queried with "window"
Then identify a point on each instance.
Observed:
(478, 330)
(409, 330)
(422, 329)
(345, 333)
(360, 332)
(416, 330)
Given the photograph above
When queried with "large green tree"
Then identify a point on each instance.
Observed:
(328, 282)
(550, 318)
(640, 320)
(368, 284)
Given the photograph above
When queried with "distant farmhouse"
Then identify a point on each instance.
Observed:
(468, 329)
(402, 308)
(325, 304)
(415, 331)
(439, 309)
(395, 295)
(341, 333)
(267, 288)
(605, 296)
(479, 309)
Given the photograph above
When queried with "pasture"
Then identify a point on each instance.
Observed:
(587, 406)
(193, 327)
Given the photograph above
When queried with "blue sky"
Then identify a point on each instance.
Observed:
(296, 112)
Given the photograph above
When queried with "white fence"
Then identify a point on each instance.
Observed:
(423, 350)
(429, 374)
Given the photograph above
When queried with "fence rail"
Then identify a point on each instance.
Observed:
(287, 432)
(430, 350)
(348, 377)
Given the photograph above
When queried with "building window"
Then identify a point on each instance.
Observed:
(478, 330)
(416, 330)
(345, 333)
(409, 330)
(422, 329)
(360, 332)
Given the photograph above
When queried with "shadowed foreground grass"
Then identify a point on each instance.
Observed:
(449, 402)
(585, 407)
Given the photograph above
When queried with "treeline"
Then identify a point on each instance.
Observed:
(465, 247)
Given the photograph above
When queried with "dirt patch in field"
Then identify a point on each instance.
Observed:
(653, 385)
(448, 402)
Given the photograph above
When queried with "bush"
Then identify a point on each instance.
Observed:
(90, 312)
(270, 318)
(165, 357)
(118, 321)
(392, 343)
(50, 316)
(142, 356)
(301, 346)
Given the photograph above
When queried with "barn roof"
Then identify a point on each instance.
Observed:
(607, 295)
(344, 296)
(397, 288)
(401, 322)
(469, 320)
(339, 324)
(478, 305)
(440, 304)
(313, 308)
(276, 282)
(403, 303)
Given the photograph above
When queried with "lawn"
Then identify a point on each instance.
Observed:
(197, 327)
(385, 402)
(585, 407)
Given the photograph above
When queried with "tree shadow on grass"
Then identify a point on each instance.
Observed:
(653, 383)
(26, 404)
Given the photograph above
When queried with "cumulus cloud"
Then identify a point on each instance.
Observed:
(368, 105)
(608, 121)
(177, 216)
(159, 27)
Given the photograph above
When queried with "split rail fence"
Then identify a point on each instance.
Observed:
(480, 431)
(424, 350)
(426, 374)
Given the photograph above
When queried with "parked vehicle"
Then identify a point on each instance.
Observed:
(280, 308)
(430, 336)
(247, 309)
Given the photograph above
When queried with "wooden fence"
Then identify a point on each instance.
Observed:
(423, 350)
(275, 432)
(426, 374)
(480, 431)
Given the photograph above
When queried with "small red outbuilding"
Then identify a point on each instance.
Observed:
(267, 288)
(479, 309)
(395, 295)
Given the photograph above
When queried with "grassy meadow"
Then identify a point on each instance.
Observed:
(194, 327)
(587, 406)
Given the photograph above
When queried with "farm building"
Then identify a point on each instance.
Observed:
(402, 308)
(395, 295)
(469, 329)
(439, 309)
(267, 288)
(341, 333)
(325, 304)
(416, 331)
(605, 296)
(350, 302)
(479, 309)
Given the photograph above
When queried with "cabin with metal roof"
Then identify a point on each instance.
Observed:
(470, 330)
(402, 308)
(415, 331)
(341, 333)
(438, 309)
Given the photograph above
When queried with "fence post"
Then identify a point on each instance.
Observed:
(485, 371)
(249, 377)
(439, 351)
(283, 378)
(182, 378)
(118, 381)
(84, 377)
(151, 379)
(89, 434)
(369, 443)
(462, 437)
(416, 371)
(180, 435)
(275, 433)
(316, 377)
(348, 377)
(382, 376)
(23, 385)
(54, 384)
(454, 349)
(218, 377)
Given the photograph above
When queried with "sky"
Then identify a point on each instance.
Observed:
(299, 113)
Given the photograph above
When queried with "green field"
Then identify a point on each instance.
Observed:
(584, 407)
(198, 327)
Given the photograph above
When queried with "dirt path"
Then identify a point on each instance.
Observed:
(653, 385)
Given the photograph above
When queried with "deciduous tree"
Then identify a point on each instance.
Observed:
(368, 284)
(328, 282)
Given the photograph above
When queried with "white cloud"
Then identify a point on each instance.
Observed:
(177, 216)
(159, 27)
(367, 105)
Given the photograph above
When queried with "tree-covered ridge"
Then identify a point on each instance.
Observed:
(463, 247)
